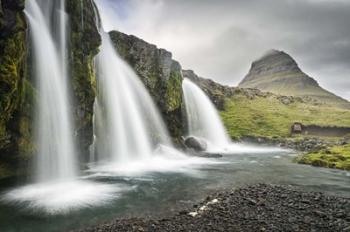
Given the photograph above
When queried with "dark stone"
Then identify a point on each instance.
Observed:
(84, 42)
(195, 143)
(16, 95)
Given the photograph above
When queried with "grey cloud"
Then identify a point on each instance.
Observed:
(220, 39)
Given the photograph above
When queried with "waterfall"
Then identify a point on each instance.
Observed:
(57, 188)
(203, 121)
(127, 122)
(56, 155)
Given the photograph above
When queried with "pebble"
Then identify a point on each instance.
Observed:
(254, 208)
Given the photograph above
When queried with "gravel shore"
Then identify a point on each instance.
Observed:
(255, 208)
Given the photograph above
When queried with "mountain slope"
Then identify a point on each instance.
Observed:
(278, 72)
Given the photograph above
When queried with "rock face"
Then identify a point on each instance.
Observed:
(216, 92)
(278, 72)
(16, 92)
(83, 44)
(160, 74)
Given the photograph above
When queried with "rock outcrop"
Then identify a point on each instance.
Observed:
(216, 92)
(160, 74)
(278, 72)
(16, 92)
(84, 42)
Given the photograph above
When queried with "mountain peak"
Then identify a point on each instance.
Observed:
(273, 52)
(271, 63)
(277, 72)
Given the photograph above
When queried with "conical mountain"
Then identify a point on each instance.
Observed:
(277, 72)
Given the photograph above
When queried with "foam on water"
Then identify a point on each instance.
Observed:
(241, 148)
(63, 197)
(164, 159)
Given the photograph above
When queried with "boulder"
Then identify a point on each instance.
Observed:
(195, 143)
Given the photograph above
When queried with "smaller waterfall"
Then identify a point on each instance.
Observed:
(127, 122)
(203, 121)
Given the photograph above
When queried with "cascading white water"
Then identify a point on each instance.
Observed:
(203, 121)
(57, 188)
(128, 124)
(130, 135)
(56, 155)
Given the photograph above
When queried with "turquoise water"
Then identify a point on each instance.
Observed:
(161, 193)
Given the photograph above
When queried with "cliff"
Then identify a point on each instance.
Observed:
(83, 45)
(279, 73)
(160, 74)
(17, 89)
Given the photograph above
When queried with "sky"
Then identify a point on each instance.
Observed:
(219, 39)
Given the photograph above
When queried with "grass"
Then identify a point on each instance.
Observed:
(334, 157)
(269, 117)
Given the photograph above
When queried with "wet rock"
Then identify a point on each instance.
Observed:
(159, 72)
(195, 143)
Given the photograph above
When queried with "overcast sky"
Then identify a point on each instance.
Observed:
(219, 39)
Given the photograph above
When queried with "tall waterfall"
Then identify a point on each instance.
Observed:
(127, 123)
(203, 120)
(56, 155)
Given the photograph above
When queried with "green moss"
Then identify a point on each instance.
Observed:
(334, 157)
(13, 92)
(5, 171)
(84, 43)
(174, 91)
(268, 117)
(26, 147)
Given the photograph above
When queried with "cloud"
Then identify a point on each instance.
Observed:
(220, 39)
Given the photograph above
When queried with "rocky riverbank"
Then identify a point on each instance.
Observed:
(255, 208)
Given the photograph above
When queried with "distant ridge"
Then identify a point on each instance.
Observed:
(279, 73)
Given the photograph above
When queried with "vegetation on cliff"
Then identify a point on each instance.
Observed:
(83, 44)
(15, 91)
(160, 74)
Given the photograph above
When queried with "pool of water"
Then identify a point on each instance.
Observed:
(161, 192)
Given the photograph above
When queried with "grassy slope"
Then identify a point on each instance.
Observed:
(268, 117)
(334, 157)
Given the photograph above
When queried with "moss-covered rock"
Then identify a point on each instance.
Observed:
(215, 91)
(17, 94)
(333, 157)
(84, 42)
(159, 72)
(15, 126)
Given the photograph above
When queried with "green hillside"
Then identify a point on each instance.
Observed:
(268, 116)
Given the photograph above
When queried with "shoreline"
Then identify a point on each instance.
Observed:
(260, 207)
